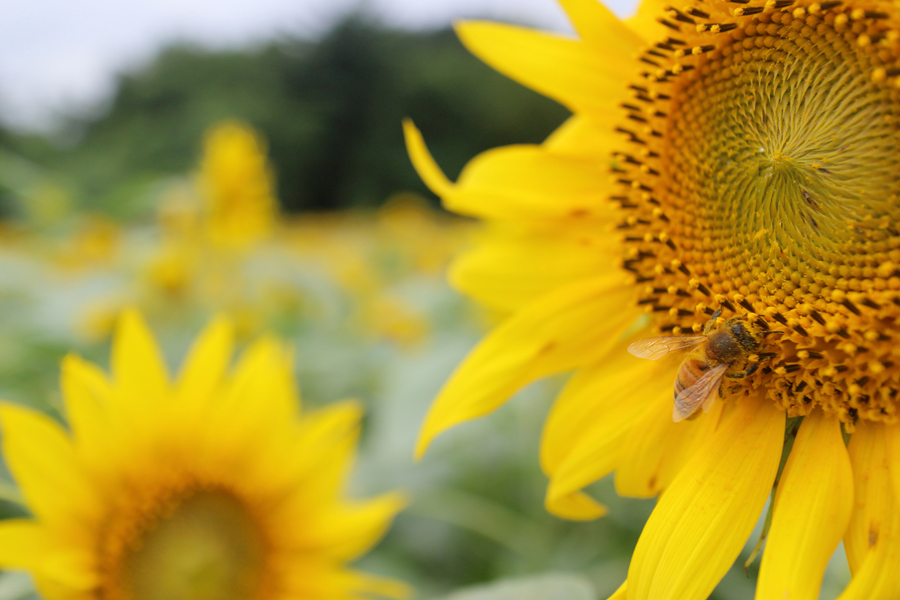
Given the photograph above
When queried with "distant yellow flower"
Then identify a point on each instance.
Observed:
(390, 318)
(210, 487)
(174, 269)
(94, 242)
(736, 155)
(237, 185)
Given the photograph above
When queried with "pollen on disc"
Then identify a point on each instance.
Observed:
(762, 176)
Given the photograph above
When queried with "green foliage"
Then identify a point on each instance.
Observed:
(543, 587)
(330, 110)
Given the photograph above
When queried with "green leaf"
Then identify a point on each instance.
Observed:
(553, 586)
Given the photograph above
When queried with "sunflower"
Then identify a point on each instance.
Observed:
(726, 163)
(238, 186)
(208, 487)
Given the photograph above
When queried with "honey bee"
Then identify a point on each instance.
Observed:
(719, 352)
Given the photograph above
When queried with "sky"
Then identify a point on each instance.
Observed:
(56, 55)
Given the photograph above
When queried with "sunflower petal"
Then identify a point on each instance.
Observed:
(585, 138)
(512, 267)
(659, 447)
(574, 506)
(23, 544)
(371, 585)
(570, 72)
(593, 394)
(872, 491)
(205, 366)
(529, 182)
(812, 510)
(86, 395)
(892, 439)
(878, 577)
(138, 369)
(44, 464)
(549, 336)
(350, 530)
(603, 30)
(263, 370)
(329, 442)
(589, 424)
(703, 520)
(621, 593)
(644, 22)
(524, 183)
(423, 162)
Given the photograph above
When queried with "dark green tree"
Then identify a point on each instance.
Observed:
(330, 110)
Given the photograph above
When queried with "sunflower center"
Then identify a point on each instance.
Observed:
(761, 174)
(206, 548)
(786, 156)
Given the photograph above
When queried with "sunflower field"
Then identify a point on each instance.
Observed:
(363, 317)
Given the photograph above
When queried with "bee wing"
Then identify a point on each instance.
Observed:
(710, 400)
(655, 348)
(706, 387)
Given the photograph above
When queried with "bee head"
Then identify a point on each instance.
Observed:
(747, 335)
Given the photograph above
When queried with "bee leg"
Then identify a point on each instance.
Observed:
(712, 321)
(741, 374)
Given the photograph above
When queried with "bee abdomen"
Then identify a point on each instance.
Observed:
(688, 375)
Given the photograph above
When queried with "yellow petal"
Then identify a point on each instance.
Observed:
(43, 462)
(892, 439)
(595, 392)
(70, 568)
(644, 22)
(659, 447)
(208, 361)
(621, 593)
(263, 371)
(23, 544)
(583, 137)
(572, 73)
(329, 442)
(315, 578)
(237, 417)
(86, 395)
(573, 326)
(878, 578)
(320, 451)
(872, 491)
(531, 183)
(51, 587)
(370, 585)
(138, 368)
(423, 162)
(603, 30)
(589, 423)
(703, 520)
(525, 183)
(573, 505)
(348, 531)
(512, 267)
(812, 510)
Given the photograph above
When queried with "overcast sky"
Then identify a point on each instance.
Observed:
(55, 54)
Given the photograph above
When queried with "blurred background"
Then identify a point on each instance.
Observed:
(195, 158)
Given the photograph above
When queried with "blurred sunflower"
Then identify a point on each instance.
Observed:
(238, 186)
(735, 155)
(206, 488)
